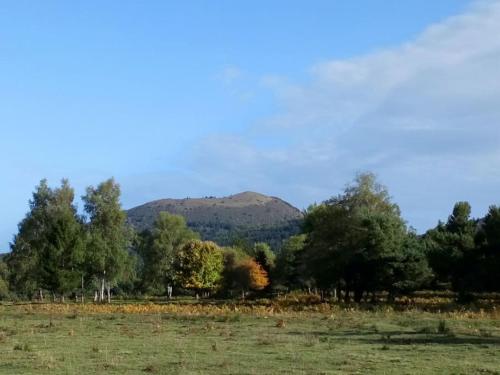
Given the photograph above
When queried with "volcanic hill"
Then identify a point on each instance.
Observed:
(248, 216)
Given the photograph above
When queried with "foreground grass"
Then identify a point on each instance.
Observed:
(233, 339)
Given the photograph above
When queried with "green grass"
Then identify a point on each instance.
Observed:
(345, 342)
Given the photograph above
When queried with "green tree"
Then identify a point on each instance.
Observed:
(232, 257)
(4, 280)
(63, 253)
(48, 249)
(107, 255)
(451, 250)
(287, 271)
(199, 266)
(410, 269)
(29, 243)
(263, 255)
(159, 250)
(355, 240)
(488, 242)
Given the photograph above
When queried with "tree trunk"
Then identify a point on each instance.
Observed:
(169, 291)
(109, 292)
(83, 292)
(101, 294)
(96, 295)
(62, 298)
(40, 292)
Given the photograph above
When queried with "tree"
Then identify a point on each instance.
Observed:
(250, 275)
(199, 266)
(410, 269)
(287, 271)
(108, 235)
(263, 255)
(451, 250)
(488, 242)
(232, 257)
(64, 251)
(4, 280)
(47, 251)
(28, 244)
(160, 247)
(355, 239)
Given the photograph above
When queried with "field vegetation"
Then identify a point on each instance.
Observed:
(294, 334)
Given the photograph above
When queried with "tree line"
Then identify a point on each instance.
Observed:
(353, 246)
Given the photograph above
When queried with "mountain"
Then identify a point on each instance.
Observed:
(247, 216)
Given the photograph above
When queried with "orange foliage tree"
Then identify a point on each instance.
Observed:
(251, 275)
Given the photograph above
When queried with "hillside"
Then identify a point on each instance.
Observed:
(250, 216)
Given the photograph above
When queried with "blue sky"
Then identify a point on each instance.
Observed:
(288, 98)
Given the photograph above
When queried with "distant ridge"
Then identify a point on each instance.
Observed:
(248, 215)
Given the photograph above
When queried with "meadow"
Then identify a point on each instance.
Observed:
(289, 335)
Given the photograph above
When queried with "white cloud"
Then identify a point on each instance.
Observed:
(430, 107)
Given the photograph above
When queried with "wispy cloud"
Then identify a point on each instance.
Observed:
(423, 115)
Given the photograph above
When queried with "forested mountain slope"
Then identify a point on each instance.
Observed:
(248, 216)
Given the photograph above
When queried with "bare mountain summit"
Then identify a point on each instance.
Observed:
(248, 215)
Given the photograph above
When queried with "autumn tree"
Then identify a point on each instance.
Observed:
(198, 265)
(250, 275)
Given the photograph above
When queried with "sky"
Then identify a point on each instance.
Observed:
(287, 98)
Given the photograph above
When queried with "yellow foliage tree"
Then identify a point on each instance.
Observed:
(198, 265)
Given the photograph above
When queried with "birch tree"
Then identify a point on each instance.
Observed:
(108, 236)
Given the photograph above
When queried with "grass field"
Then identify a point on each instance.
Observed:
(193, 338)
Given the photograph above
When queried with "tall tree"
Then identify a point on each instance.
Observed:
(488, 242)
(355, 240)
(29, 243)
(63, 254)
(48, 250)
(159, 249)
(108, 235)
(451, 249)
